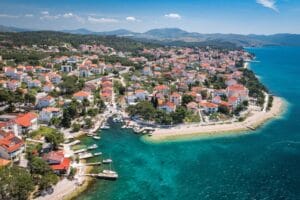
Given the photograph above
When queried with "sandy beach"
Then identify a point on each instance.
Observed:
(253, 121)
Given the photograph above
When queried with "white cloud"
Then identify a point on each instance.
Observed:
(45, 13)
(8, 16)
(50, 17)
(173, 16)
(28, 15)
(268, 4)
(68, 15)
(131, 19)
(101, 20)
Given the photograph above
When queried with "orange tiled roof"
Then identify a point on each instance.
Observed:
(25, 119)
(81, 94)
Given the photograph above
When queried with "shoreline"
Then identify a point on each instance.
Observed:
(190, 132)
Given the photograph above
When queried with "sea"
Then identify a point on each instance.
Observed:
(262, 165)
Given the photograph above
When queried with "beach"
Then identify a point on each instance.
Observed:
(253, 121)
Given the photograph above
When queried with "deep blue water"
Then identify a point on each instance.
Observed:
(262, 165)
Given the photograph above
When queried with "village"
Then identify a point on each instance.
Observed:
(46, 107)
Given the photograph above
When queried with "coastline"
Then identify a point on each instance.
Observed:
(190, 132)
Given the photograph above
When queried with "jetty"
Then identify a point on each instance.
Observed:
(91, 164)
(80, 151)
(108, 176)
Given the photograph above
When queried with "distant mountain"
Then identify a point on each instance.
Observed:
(11, 29)
(119, 32)
(178, 36)
(81, 31)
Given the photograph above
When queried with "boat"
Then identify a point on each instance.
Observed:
(107, 161)
(94, 146)
(97, 153)
(105, 126)
(97, 137)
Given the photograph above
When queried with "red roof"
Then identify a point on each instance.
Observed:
(161, 87)
(10, 142)
(236, 87)
(25, 119)
(208, 105)
(81, 94)
(64, 165)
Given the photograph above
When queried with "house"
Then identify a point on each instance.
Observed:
(81, 95)
(234, 101)
(48, 87)
(9, 71)
(48, 113)
(10, 146)
(147, 71)
(141, 94)
(26, 122)
(55, 78)
(13, 85)
(106, 96)
(162, 89)
(34, 83)
(131, 99)
(230, 82)
(46, 101)
(192, 106)
(176, 98)
(167, 107)
(209, 107)
(84, 71)
(58, 162)
(238, 90)
(66, 68)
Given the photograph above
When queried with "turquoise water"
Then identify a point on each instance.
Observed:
(263, 165)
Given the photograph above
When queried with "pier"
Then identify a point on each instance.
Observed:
(110, 176)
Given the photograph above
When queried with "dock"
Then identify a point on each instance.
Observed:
(91, 164)
(103, 176)
(80, 151)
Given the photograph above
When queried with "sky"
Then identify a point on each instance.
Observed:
(204, 16)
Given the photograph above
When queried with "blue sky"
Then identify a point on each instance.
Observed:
(205, 16)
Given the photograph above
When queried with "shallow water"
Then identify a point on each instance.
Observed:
(262, 165)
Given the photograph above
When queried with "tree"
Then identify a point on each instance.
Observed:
(15, 183)
(186, 99)
(30, 98)
(76, 127)
(224, 109)
(38, 166)
(179, 115)
(143, 109)
(88, 122)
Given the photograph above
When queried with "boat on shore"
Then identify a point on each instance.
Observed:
(97, 137)
(97, 154)
(105, 126)
(94, 146)
(107, 161)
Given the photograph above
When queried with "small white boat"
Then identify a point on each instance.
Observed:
(94, 146)
(97, 154)
(106, 171)
(107, 161)
(105, 127)
(97, 137)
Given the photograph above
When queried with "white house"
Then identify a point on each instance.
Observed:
(48, 113)
(46, 101)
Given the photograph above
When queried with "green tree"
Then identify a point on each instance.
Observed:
(186, 99)
(15, 183)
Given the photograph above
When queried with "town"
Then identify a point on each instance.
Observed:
(47, 102)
